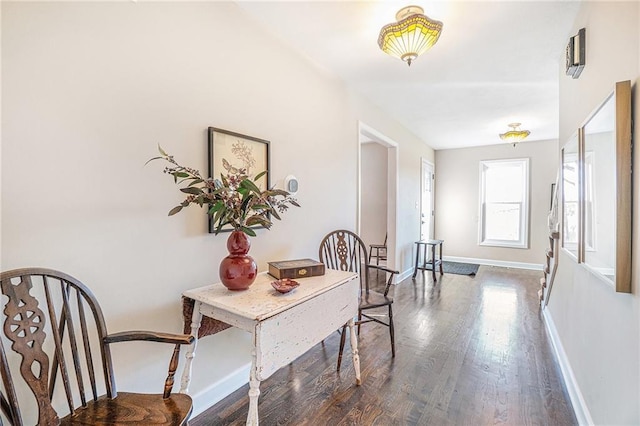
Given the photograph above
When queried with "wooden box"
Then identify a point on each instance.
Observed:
(299, 268)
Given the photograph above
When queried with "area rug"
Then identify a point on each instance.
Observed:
(460, 268)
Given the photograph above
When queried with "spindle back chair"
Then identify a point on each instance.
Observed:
(62, 358)
(380, 251)
(345, 251)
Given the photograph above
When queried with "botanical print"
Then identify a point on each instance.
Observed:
(232, 153)
(244, 153)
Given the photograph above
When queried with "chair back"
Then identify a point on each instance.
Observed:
(57, 332)
(345, 251)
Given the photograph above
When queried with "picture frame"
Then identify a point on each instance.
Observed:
(227, 149)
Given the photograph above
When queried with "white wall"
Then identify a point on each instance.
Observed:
(597, 328)
(373, 220)
(457, 200)
(89, 91)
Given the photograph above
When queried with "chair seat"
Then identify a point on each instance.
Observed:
(133, 409)
(378, 246)
(373, 300)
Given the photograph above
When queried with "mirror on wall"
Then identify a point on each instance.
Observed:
(570, 196)
(606, 189)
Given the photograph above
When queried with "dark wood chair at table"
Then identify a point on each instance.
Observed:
(345, 251)
(62, 347)
(380, 251)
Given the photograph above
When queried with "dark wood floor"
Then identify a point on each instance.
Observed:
(470, 351)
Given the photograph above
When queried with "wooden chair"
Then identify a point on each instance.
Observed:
(381, 251)
(345, 251)
(59, 337)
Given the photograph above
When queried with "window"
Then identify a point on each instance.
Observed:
(504, 203)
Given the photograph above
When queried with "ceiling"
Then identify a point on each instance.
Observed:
(495, 62)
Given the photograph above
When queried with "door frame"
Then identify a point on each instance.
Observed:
(367, 133)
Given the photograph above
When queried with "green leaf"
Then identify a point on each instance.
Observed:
(245, 202)
(260, 207)
(217, 206)
(219, 215)
(181, 174)
(294, 202)
(196, 181)
(164, 154)
(174, 210)
(250, 186)
(191, 190)
(259, 175)
(275, 192)
(250, 232)
(275, 214)
(259, 220)
(151, 159)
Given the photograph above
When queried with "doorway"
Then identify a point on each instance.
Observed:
(374, 146)
(427, 211)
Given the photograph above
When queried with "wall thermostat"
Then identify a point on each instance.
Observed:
(291, 184)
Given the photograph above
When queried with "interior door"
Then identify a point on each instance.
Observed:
(427, 212)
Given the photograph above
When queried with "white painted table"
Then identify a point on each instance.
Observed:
(284, 326)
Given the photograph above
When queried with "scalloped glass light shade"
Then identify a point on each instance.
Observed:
(411, 36)
(514, 135)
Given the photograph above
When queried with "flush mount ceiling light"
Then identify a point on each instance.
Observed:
(514, 135)
(412, 35)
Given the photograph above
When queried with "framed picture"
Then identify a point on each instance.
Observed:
(229, 151)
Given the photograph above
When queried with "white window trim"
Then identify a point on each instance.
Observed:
(523, 243)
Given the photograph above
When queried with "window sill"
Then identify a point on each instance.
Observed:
(504, 244)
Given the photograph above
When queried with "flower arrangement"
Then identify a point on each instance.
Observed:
(233, 200)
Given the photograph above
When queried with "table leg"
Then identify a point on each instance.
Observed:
(433, 262)
(441, 270)
(254, 392)
(354, 350)
(415, 269)
(196, 319)
(425, 255)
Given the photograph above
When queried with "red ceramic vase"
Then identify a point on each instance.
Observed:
(238, 270)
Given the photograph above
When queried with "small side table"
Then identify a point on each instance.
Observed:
(431, 263)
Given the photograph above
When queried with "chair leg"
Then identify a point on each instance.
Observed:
(342, 338)
(359, 319)
(393, 341)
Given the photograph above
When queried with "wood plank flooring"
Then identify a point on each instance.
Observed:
(469, 351)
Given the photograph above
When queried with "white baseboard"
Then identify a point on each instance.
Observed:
(403, 275)
(491, 262)
(577, 400)
(219, 390)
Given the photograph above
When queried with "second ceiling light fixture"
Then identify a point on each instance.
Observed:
(514, 135)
